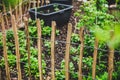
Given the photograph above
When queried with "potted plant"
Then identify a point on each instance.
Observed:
(52, 12)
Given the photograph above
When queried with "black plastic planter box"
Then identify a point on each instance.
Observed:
(68, 2)
(52, 12)
(111, 2)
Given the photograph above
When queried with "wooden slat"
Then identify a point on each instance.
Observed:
(81, 52)
(5, 50)
(42, 3)
(6, 19)
(38, 3)
(28, 45)
(16, 13)
(69, 32)
(29, 4)
(20, 14)
(110, 59)
(16, 48)
(53, 50)
(94, 59)
(39, 49)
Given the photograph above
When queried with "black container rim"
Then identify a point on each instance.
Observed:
(52, 13)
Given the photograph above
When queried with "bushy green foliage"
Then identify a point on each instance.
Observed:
(92, 17)
(11, 3)
(105, 34)
(60, 74)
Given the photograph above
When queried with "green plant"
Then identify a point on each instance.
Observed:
(11, 61)
(55, 6)
(87, 63)
(102, 77)
(73, 50)
(92, 17)
(46, 31)
(12, 3)
(60, 74)
(75, 38)
(34, 67)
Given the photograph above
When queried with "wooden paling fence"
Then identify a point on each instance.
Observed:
(39, 44)
(17, 18)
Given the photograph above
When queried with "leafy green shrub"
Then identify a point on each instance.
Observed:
(11, 3)
(34, 67)
(11, 61)
(60, 74)
(75, 38)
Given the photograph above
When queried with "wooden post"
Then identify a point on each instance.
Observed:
(69, 33)
(38, 3)
(20, 13)
(53, 50)
(110, 59)
(34, 3)
(81, 53)
(42, 2)
(29, 4)
(16, 13)
(94, 59)
(39, 49)
(28, 45)
(5, 50)
(16, 48)
(10, 11)
(6, 19)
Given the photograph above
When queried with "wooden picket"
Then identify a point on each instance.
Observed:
(110, 58)
(5, 49)
(94, 59)
(53, 50)
(81, 53)
(39, 49)
(6, 19)
(16, 48)
(69, 33)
